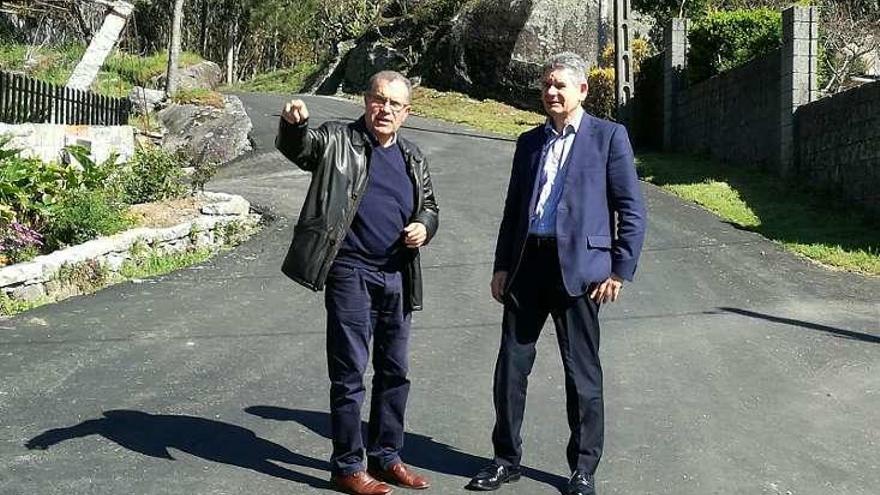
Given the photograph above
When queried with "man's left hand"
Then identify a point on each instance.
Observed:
(608, 290)
(415, 235)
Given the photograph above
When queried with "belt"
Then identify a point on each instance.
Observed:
(540, 241)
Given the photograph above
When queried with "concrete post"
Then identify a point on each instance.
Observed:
(100, 46)
(799, 66)
(623, 73)
(674, 64)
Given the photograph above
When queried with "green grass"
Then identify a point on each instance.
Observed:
(90, 278)
(153, 264)
(199, 96)
(814, 225)
(9, 306)
(280, 81)
(120, 72)
(487, 115)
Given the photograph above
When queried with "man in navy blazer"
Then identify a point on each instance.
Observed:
(571, 234)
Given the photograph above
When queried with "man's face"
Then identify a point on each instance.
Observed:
(386, 107)
(561, 93)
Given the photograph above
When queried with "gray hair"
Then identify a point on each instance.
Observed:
(572, 62)
(390, 76)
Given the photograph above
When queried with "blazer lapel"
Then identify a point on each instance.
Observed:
(583, 140)
(534, 165)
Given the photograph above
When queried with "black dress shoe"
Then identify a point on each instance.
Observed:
(581, 483)
(492, 476)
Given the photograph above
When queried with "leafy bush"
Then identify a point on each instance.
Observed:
(152, 175)
(28, 187)
(601, 100)
(203, 172)
(85, 216)
(639, 48)
(723, 40)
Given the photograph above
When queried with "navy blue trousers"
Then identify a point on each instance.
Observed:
(364, 305)
(536, 292)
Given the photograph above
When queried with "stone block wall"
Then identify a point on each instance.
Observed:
(837, 145)
(47, 141)
(732, 116)
(745, 115)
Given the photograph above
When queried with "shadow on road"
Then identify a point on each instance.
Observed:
(850, 334)
(154, 434)
(420, 451)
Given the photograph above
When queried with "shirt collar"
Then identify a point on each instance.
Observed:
(573, 125)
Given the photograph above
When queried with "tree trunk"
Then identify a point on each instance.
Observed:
(203, 31)
(231, 52)
(174, 49)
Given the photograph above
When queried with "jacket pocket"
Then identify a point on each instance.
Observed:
(599, 241)
(306, 260)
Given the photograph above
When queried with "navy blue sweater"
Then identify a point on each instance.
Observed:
(375, 239)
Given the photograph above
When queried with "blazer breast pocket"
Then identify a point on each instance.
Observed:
(599, 241)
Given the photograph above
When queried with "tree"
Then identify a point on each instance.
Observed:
(849, 30)
(174, 49)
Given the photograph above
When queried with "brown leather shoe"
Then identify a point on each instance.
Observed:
(359, 483)
(399, 474)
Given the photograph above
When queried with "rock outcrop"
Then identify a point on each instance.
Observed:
(203, 75)
(205, 133)
(145, 100)
(491, 48)
(496, 47)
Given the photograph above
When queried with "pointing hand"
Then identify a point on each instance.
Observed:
(295, 112)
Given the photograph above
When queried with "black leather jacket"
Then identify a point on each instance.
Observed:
(337, 155)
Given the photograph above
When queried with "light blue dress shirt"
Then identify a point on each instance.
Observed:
(551, 176)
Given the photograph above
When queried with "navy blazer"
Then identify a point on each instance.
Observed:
(600, 181)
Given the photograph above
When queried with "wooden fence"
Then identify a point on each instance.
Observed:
(27, 100)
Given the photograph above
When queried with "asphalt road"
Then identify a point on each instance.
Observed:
(731, 367)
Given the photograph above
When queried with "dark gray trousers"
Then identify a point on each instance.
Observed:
(537, 292)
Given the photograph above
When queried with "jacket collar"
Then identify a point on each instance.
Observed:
(362, 138)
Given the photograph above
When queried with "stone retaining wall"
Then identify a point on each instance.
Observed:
(838, 145)
(47, 141)
(226, 219)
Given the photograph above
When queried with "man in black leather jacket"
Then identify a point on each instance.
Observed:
(369, 208)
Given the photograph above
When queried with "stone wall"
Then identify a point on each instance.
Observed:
(733, 116)
(837, 145)
(47, 141)
(745, 115)
(224, 220)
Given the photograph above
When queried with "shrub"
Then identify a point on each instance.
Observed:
(727, 39)
(87, 276)
(153, 174)
(85, 216)
(28, 186)
(601, 100)
(203, 172)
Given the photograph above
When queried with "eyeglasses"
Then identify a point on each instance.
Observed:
(381, 101)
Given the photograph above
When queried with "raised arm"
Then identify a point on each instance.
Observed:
(301, 145)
